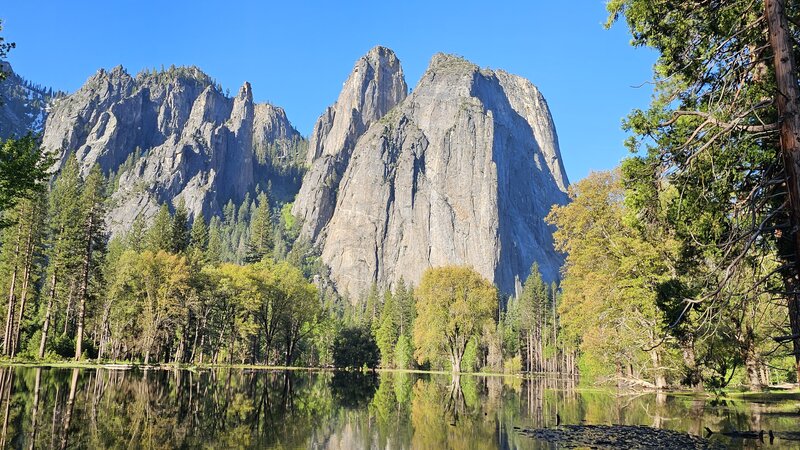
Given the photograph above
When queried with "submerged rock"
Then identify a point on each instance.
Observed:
(618, 436)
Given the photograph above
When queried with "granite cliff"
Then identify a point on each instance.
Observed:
(173, 135)
(461, 171)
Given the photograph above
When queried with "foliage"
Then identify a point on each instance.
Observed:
(611, 275)
(355, 348)
(23, 168)
(453, 305)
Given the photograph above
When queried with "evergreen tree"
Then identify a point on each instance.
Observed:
(532, 310)
(180, 228)
(260, 244)
(92, 203)
(64, 240)
(198, 237)
(19, 260)
(386, 332)
(229, 213)
(159, 236)
(215, 242)
(136, 238)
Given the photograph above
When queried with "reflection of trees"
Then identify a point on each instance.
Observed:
(73, 385)
(162, 409)
(466, 424)
(54, 408)
(353, 389)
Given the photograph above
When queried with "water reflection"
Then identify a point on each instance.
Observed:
(82, 408)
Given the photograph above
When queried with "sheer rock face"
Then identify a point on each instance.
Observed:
(374, 87)
(463, 171)
(168, 136)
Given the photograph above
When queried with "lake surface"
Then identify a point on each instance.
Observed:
(233, 408)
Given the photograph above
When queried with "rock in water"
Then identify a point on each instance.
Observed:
(374, 87)
(173, 135)
(462, 171)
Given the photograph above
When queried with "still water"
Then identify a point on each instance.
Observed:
(232, 408)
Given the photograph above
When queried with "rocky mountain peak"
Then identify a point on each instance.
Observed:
(375, 86)
(173, 134)
(463, 171)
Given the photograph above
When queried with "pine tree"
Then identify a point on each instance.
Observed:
(387, 332)
(92, 204)
(159, 236)
(34, 226)
(215, 242)
(404, 308)
(180, 228)
(18, 259)
(260, 244)
(198, 237)
(532, 310)
(64, 240)
(136, 239)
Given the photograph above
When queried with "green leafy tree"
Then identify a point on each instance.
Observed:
(23, 170)
(404, 353)
(723, 129)
(612, 275)
(355, 348)
(453, 305)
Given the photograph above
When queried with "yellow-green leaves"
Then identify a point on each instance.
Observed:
(453, 305)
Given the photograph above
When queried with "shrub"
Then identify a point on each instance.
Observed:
(513, 365)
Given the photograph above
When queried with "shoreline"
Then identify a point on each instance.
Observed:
(783, 389)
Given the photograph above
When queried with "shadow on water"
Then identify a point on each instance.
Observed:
(224, 408)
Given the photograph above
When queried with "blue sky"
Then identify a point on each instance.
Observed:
(297, 54)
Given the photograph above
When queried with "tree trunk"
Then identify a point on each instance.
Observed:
(12, 295)
(752, 364)
(194, 340)
(104, 334)
(694, 376)
(84, 287)
(48, 313)
(455, 362)
(787, 97)
(26, 281)
(658, 372)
